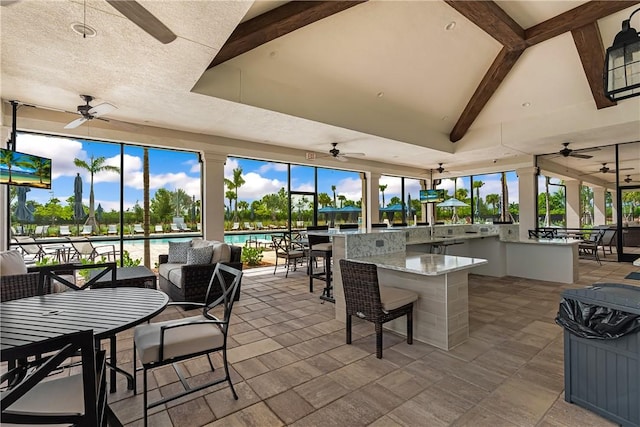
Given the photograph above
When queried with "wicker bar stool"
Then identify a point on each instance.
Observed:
(365, 298)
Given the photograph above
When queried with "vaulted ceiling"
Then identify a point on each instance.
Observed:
(412, 83)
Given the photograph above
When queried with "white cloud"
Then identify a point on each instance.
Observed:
(257, 186)
(278, 167)
(351, 188)
(61, 151)
(229, 166)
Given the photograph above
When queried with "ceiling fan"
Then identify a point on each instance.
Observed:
(606, 169)
(335, 153)
(89, 113)
(140, 16)
(568, 152)
(440, 168)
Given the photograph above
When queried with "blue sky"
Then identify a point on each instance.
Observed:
(176, 169)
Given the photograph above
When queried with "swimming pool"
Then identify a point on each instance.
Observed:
(234, 239)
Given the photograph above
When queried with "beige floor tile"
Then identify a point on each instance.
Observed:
(289, 406)
(320, 391)
(192, 413)
(258, 415)
(222, 402)
(279, 358)
(253, 349)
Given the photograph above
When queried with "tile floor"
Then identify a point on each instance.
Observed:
(291, 366)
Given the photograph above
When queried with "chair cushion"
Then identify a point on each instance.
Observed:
(179, 341)
(178, 252)
(393, 298)
(322, 247)
(199, 255)
(12, 263)
(59, 396)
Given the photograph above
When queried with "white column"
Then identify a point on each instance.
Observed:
(373, 198)
(213, 198)
(599, 206)
(573, 203)
(527, 200)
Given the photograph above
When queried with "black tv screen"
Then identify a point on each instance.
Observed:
(24, 169)
(432, 196)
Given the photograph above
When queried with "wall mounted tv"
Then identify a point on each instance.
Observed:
(432, 196)
(24, 169)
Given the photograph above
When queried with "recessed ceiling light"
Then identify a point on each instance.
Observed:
(450, 26)
(83, 29)
(526, 104)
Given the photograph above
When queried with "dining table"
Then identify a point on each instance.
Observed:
(28, 321)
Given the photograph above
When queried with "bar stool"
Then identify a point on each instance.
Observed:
(320, 247)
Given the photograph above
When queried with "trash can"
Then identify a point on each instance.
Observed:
(602, 350)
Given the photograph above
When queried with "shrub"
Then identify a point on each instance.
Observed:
(252, 256)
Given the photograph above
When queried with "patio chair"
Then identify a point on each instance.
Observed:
(84, 248)
(288, 251)
(590, 246)
(236, 226)
(64, 230)
(86, 230)
(137, 228)
(368, 300)
(175, 228)
(40, 230)
(159, 229)
(259, 225)
(32, 251)
(112, 229)
(32, 397)
(248, 226)
(164, 343)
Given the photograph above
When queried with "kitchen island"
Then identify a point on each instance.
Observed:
(441, 314)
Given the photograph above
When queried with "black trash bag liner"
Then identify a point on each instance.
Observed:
(595, 321)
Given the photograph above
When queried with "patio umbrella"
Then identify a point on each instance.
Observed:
(23, 214)
(78, 209)
(452, 203)
(392, 209)
(350, 211)
(409, 209)
(330, 212)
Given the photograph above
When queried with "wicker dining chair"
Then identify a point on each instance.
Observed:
(368, 300)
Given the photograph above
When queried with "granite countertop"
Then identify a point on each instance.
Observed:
(421, 263)
(557, 242)
(451, 238)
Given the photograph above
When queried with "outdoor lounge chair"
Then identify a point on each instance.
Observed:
(64, 230)
(86, 230)
(236, 226)
(259, 225)
(137, 228)
(175, 228)
(112, 229)
(41, 230)
(84, 248)
(32, 251)
(248, 226)
(159, 229)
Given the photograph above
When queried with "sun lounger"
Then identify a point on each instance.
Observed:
(137, 228)
(236, 226)
(159, 229)
(175, 228)
(64, 230)
(112, 229)
(86, 230)
(248, 226)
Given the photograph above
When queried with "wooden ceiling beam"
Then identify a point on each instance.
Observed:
(575, 18)
(501, 66)
(589, 44)
(276, 23)
(489, 17)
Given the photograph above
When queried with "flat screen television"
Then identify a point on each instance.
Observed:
(432, 196)
(24, 169)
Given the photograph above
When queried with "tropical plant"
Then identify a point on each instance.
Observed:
(333, 189)
(252, 256)
(95, 165)
(161, 205)
(476, 186)
(324, 199)
(342, 200)
(41, 167)
(146, 223)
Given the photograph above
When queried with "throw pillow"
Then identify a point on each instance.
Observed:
(178, 252)
(12, 263)
(199, 255)
(221, 252)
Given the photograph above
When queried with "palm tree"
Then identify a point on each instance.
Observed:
(493, 200)
(145, 204)
(547, 202)
(333, 188)
(324, 199)
(234, 184)
(476, 185)
(40, 166)
(342, 200)
(382, 187)
(94, 166)
(7, 159)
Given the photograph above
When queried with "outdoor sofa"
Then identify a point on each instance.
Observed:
(184, 274)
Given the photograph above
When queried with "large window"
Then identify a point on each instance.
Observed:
(112, 181)
(552, 203)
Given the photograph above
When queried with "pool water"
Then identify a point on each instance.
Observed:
(234, 239)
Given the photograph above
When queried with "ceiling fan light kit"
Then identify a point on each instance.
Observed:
(622, 64)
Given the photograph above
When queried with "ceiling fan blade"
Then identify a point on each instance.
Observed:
(580, 156)
(77, 122)
(586, 150)
(140, 16)
(342, 158)
(625, 169)
(102, 109)
(352, 154)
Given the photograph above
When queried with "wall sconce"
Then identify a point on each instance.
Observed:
(622, 64)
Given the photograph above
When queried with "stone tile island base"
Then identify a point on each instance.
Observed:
(441, 314)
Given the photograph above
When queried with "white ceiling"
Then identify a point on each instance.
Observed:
(383, 77)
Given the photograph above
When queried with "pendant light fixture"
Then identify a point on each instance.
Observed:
(622, 64)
